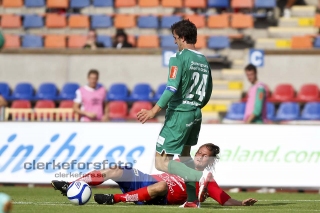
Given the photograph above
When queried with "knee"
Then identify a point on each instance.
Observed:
(159, 164)
(162, 187)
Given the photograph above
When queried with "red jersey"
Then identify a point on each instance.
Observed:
(177, 193)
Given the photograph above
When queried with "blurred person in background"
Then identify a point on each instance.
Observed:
(89, 101)
(285, 6)
(92, 42)
(3, 102)
(121, 40)
(5, 203)
(256, 107)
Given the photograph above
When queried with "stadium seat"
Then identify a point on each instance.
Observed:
(79, 21)
(44, 104)
(167, 21)
(54, 20)
(11, 41)
(124, 21)
(12, 3)
(195, 4)
(149, 3)
(57, 3)
(100, 21)
(172, 3)
(21, 104)
(103, 3)
(265, 3)
(68, 91)
(55, 41)
(240, 21)
(301, 42)
(10, 21)
(271, 111)
(34, 3)
(201, 41)
(105, 39)
(288, 111)
(47, 91)
(218, 21)
(167, 41)
(118, 110)
(218, 3)
(236, 111)
(311, 111)
(218, 42)
(148, 41)
(148, 22)
(33, 21)
(76, 41)
(242, 3)
(141, 92)
(282, 93)
(4, 90)
(198, 20)
(125, 3)
(132, 40)
(79, 3)
(159, 92)
(308, 92)
(23, 91)
(117, 92)
(317, 20)
(317, 42)
(137, 106)
(66, 104)
(32, 41)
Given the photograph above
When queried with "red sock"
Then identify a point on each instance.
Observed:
(217, 193)
(137, 195)
(92, 178)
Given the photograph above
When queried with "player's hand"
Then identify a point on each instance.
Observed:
(91, 115)
(249, 202)
(145, 115)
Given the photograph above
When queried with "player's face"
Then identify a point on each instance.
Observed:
(93, 80)
(202, 158)
(178, 41)
(251, 76)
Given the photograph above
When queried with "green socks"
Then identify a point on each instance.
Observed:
(180, 169)
(190, 186)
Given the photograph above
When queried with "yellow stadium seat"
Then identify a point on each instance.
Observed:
(208, 108)
(306, 22)
(235, 85)
(283, 43)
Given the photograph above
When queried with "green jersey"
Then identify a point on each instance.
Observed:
(190, 80)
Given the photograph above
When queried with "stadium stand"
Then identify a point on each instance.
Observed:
(4, 90)
(33, 21)
(288, 111)
(308, 93)
(311, 111)
(68, 91)
(23, 91)
(282, 93)
(159, 92)
(32, 41)
(105, 39)
(141, 92)
(47, 91)
(118, 92)
(55, 41)
(118, 110)
(148, 41)
(236, 111)
(100, 21)
(11, 41)
(57, 4)
(218, 3)
(76, 41)
(136, 107)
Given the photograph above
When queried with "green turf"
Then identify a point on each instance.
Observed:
(46, 200)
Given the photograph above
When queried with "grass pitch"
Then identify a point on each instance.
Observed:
(46, 200)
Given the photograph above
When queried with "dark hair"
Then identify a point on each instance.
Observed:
(214, 149)
(93, 71)
(185, 29)
(251, 67)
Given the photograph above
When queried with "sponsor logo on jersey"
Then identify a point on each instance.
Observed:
(173, 72)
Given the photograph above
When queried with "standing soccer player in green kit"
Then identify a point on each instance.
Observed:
(189, 88)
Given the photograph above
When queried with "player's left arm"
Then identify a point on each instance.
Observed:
(174, 78)
(258, 105)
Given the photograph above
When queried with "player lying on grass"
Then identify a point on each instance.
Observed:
(160, 189)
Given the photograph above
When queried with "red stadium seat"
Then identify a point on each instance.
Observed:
(67, 104)
(11, 41)
(242, 3)
(21, 104)
(308, 93)
(137, 106)
(44, 104)
(118, 110)
(77, 41)
(283, 93)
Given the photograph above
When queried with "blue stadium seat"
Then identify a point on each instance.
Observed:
(35, 3)
(218, 3)
(317, 42)
(265, 3)
(47, 91)
(167, 41)
(105, 39)
(218, 42)
(23, 91)
(271, 111)
(167, 21)
(68, 91)
(33, 21)
(118, 92)
(32, 41)
(103, 3)
(4, 90)
(236, 111)
(288, 111)
(311, 111)
(79, 3)
(148, 22)
(159, 92)
(100, 21)
(141, 92)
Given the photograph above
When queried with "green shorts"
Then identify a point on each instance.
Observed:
(180, 129)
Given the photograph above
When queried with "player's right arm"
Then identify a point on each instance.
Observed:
(208, 90)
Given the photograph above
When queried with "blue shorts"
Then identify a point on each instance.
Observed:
(133, 179)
